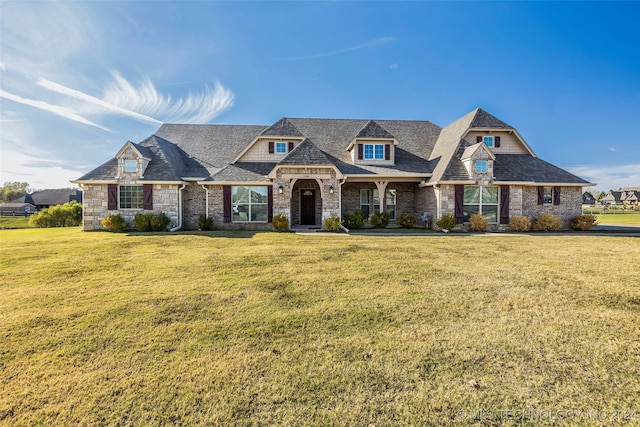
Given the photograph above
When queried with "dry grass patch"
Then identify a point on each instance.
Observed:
(281, 329)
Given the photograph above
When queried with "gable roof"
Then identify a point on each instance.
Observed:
(373, 130)
(306, 153)
(525, 168)
(483, 120)
(50, 197)
(282, 127)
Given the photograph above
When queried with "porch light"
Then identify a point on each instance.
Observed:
(280, 189)
(331, 189)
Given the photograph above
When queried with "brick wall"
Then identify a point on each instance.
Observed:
(570, 204)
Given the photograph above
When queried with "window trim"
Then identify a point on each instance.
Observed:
(488, 140)
(250, 203)
(550, 195)
(392, 214)
(138, 197)
(480, 203)
(281, 147)
(372, 153)
(483, 169)
(133, 162)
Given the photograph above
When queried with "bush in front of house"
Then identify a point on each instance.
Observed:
(353, 220)
(380, 219)
(519, 223)
(547, 222)
(115, 223)
(478, 222)
(446, 222)
(406, 220)
(204, 223)
(160, 222)
(66, 215)
(332, 223)
(142, 221)
(280, 222)
(583, 222)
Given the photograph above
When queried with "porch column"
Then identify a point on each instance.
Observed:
(330, 193)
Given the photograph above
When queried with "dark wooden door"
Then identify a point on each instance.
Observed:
(308, 207)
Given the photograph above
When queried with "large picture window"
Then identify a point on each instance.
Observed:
(481, 200)
(131, 197)
(249, 204)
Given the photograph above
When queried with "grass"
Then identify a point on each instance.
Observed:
(614, 216)
(14, 222)
(246, 328)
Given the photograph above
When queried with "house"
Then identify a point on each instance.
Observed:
(588, 199)
(42, 199)
(612, 198)
(630, 195)
(16, 209)
(310, 169)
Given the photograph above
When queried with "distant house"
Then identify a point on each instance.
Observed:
(630, 196)
(16, 209)
(42, 199)
(310, 169)
(588, 199)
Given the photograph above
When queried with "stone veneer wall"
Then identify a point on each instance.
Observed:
(94, 203)
(570, 204)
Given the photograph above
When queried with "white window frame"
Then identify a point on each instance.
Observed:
(376, 152)
(488, 140)
(481, 204)
(235, 206)
(367, 194)
(484, 168)
(127, 165)
(281, 147)
(391, 195)
(547, 197)
(134, 203)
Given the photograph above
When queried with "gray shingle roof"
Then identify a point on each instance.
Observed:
(244, 172)
(373, 130)
(523, 167)
(57, 196)
(282, 127)
(306, 153)
(484, 120)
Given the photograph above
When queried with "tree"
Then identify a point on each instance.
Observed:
(13, 190)
(600, 196)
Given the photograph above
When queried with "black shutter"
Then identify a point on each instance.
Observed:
(541, 195)
(556, 195)
(478, 139)
(270, 201)
(112, 194)
(387, 151)
(147, 197)
(504, 204)
(290, 146)
(497, 141)
(359, 151)
(459, 206)
(270, 147)
(226, 202)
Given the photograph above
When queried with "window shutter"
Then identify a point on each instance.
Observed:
(226, 202)
(387, 151)
(497, 141)
(271, 147)
(504, 204)
(290, 146)
(478, 138)
(459, 206)
(540, 195)
(147, 197)
(112, 195)
(359, 151)
(270, 202)
(556, 195)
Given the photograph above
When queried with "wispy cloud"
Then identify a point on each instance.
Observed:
(55, 109)
(146, 99)
(378, 41)
(610, 176)
(55, 87)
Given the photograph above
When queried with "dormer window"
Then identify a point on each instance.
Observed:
(281, 147)
(130, 165)
(481, 166)
(488, 141)
(374, 151)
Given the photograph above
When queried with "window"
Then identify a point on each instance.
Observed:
(481, 166)
(547, 198)
(488, 140)
(374, 151)
(130, 165)
(131, 197)
(281, 147)
(390, 203)
(249, 204)
(376, 201)
(365, 200)
(481, 200)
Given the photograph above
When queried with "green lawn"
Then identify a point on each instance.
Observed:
(14, 222)
(246, 328)
(620, 219)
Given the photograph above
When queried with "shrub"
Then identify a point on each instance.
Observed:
(446, 222)
(142, 221)
(547, 222)
(205, 223)
(583, 222)
(115, 223)
(519, 223)
(478, 222)
(160, 222)
(353, 220)
(379, 219)
(66, 215)
(280, 222)
(332, 224)
(406, 220)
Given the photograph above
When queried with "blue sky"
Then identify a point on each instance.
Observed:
(80, 79)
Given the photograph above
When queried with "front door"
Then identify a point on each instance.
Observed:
(308, 207)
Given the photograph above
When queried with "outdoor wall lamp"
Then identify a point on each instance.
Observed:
(331, 189)
(280, 189)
